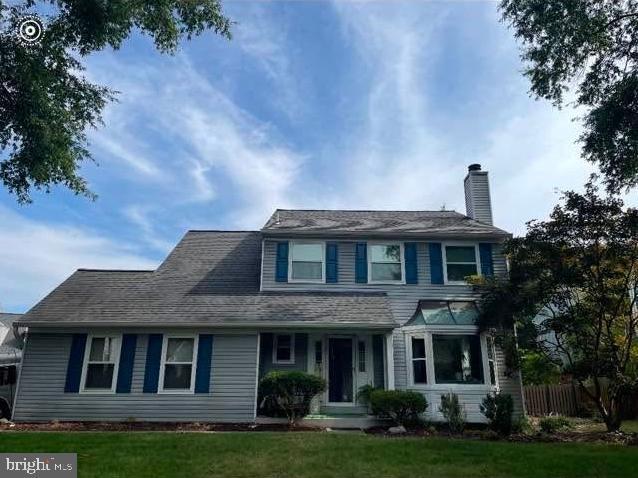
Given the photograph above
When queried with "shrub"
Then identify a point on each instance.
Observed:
(554, 424)
(402, 406)
(364, 394)
(498, 408)
(290, 392)
(453, 412)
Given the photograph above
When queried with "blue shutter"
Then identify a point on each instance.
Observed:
(436, 263)
(281, 274)
(74, 367)
(487, 264)
(127, 357)
(332, 263)
(153, 358)
(361, 263)
(204, 357)
(411, 268)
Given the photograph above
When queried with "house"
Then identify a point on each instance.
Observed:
(359, 297)
(10, 355)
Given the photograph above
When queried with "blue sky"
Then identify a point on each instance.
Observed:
(348, 104)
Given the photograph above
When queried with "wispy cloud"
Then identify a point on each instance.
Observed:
(36, 256)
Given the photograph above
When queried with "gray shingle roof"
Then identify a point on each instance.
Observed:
(381, 223)
(210, 278)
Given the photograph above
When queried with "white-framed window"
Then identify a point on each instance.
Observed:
(491, 360)
(460, 260)
(307, 262)
(447, 357)
(419, 373)
(385, 263)
(101, 363)
(179, 359)
(283, 349)
(362, 356)
(458, 359)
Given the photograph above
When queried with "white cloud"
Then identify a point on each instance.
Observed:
(36, 256)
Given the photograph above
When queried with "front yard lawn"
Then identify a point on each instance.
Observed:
(321, 454)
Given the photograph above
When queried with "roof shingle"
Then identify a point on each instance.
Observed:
(378, 223)
(210, 278)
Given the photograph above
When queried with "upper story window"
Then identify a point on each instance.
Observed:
(307, 261)
(461, 261)
(385, 262)
(178, 364)
(100, 363)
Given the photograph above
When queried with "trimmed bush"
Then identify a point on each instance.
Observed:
(453, 412)
(402, 406)
(554, 424)
(498, 408)
(290, 393)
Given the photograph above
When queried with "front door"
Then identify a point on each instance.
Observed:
(340, 367)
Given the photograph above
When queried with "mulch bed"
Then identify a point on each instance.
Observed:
(148, 427)
(618, 438)
(471, 433)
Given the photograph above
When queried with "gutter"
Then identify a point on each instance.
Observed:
(224, 325)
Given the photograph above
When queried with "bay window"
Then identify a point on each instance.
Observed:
(437, 357)
(457, 359)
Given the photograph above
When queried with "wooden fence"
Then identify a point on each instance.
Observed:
(567, 400)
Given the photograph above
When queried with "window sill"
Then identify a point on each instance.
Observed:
(176, 392)
(389, 282)
(283, 363)
(306, 281)
(98, 392)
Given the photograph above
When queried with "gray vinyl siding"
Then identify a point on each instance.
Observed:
(403, 300)
(265, 351)
(41, 394)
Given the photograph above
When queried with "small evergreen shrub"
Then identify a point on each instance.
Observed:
(402, 406)
(290, 393)
(453, 412)
(498, 408)
(554, 424)
(364, 394)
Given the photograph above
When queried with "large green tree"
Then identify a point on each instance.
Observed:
(591, 47)
(47, 105)
(574, 281)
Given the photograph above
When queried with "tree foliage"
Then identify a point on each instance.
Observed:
(573, 280)
(592, 46)
(47, 105)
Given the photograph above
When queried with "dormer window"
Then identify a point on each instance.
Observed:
(461, 261)
(385, 262)
(307, 262)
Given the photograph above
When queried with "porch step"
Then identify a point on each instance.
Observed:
(344, 411)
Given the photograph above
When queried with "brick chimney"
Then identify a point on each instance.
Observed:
(477, 194)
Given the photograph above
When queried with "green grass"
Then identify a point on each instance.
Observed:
(302, 455)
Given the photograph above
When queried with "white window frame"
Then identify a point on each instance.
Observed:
(427, 333)
(402, 259)
(323, 262)
(275, 340)
(163, 362)
(410, 358)
(461, 244)
(490, 343)
(117, 341)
